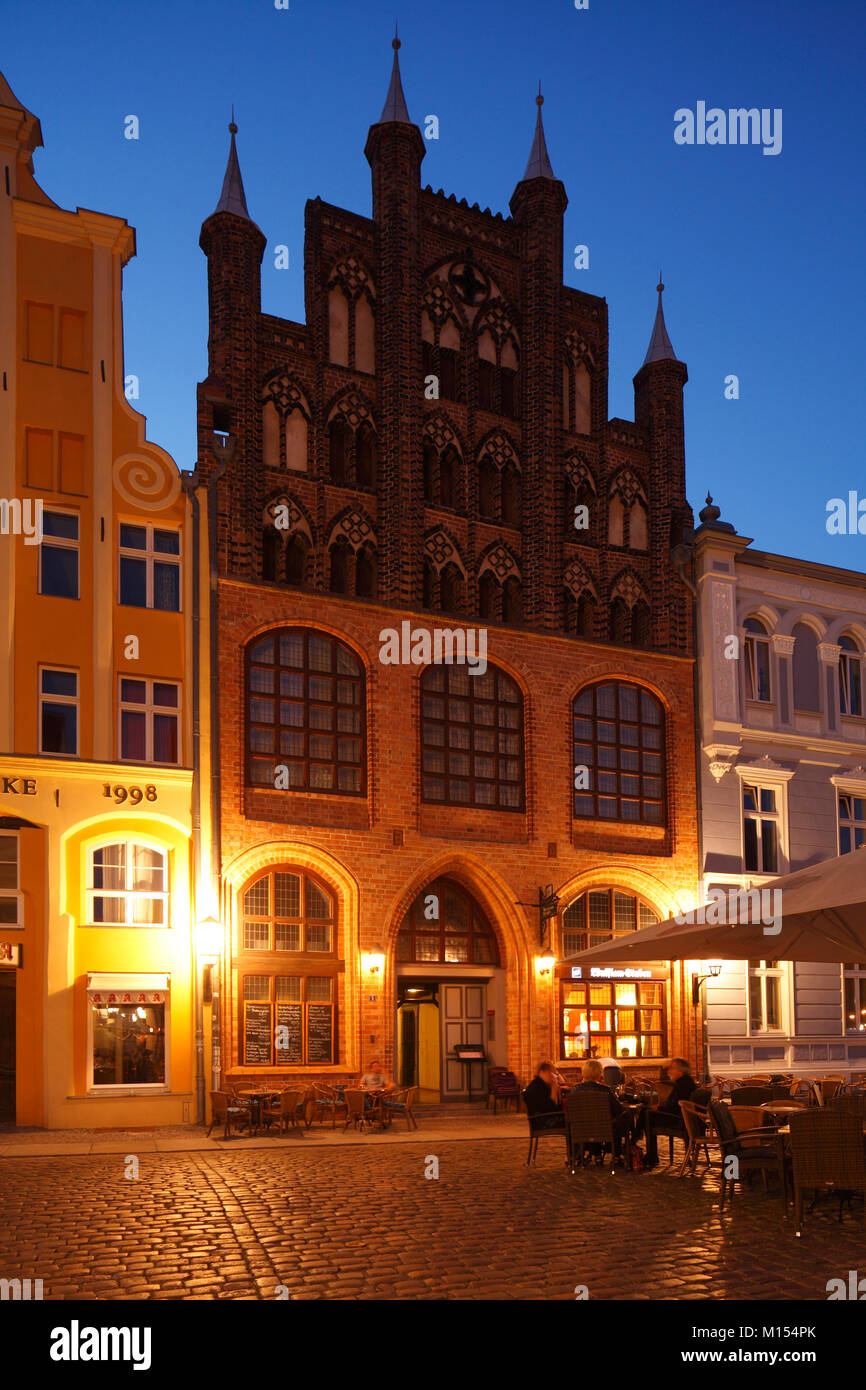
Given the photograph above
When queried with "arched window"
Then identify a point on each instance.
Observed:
(429, 464)
(471, 738)
(338, 326)
(615, 522)
(512, 600)
(637, 526)
(296, 559)
(850, 677)
(620, 620)
(429, 585)
(450, 589)
(287, 970)
(365, 572)
(128, 886)
(271, 435)
(807, 695)
(488, 490)
(486, 384)
(445, 925)
(640, 624)
(609, 1018)
(338, 437)
(757, 655)
(305, 712)
(619, 754)
(270, 554)
(586, 615)
(365, 461)
(488, 594)
(447, 479)
(341, 564)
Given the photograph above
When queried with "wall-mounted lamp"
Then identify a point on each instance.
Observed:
(714, 968)
(209, 937)
(374, 960)
(545, 964)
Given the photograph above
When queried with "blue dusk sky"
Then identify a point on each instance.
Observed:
(762, 254)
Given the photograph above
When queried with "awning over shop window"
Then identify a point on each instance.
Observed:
(128, 989)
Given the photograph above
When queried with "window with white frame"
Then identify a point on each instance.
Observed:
(9, 896)
(58, 555)
(852, 822)
(129, 1043)
(58, 711)
(854, 979)
(850, 677)
(761, 828)
(765, 996)
(149, 721)
(757, 660)
(128, 886)
(149, 567)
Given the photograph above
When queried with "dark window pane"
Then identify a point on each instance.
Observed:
(59, 571)
(133, 537)
(63, 524)
(133, 735)
(166, 587)
(165, 738)
(59, 683)
(165, 695)
(768, 846)
(133, 692)
(59, 728)
(750, 837)
(166, 542)
(133, 582)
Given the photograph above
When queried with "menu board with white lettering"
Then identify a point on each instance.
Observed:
(320, 1020)
(257, 1033)
(289, 1039)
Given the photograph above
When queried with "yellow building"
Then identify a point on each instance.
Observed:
(96, 956)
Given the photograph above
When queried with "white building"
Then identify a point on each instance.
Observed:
(781, 646)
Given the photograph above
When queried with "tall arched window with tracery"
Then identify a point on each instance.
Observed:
(471, 738)
(305, 713)
(287, 969)
(445, 925)
(619, 754)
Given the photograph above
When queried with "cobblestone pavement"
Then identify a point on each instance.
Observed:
(366, 1223)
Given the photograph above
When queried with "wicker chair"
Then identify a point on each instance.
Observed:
(756, 1150)
(327, 1101)
(588, 1121)
(502, 1085)
(827, 1087)
(400, 1103)
(751, 1095)
(355, 1109)
(540, 1127)
(698, 1128)
(226, 1109)
(827, 1155)
(850, 1104)
(286, 1109)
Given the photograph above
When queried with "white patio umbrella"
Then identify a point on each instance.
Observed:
(821, 917)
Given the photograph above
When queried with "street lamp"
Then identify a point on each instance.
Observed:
(208, 948)
(714, 968)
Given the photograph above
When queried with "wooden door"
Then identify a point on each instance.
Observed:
(463, 1021)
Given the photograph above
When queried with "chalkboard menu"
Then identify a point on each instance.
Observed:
(289, 1019)
(257, 1032)
(319, 1031)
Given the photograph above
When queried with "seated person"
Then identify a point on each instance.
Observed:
(613, 1072)
(374, 1079)
(623, 1119)
(542, 1098)
(668, 1117)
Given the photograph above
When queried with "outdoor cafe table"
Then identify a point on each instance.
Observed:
(255, 1100)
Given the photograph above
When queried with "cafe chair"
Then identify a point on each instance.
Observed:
(327, 1102)
(502, 1085)
(355, 1112)
(699, 1130)
(400, 1103)
(827, 1087)
(541, 1128)
(751, 1095)
(283, 1108)
(827, 1155)
(226, 1110)
(802, 1089)
(850, 1103)
(588, 1121)
(756, 1150)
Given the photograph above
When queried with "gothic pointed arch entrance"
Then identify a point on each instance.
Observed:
(450, 988)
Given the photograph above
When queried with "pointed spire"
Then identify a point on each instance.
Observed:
(233, 198)
(660, 348)
(539, 166)
(395, 103)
